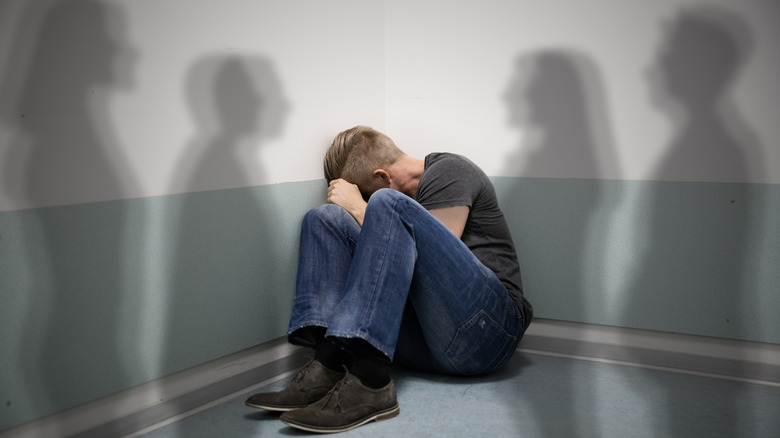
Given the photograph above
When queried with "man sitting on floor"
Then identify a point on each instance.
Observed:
(424, 274)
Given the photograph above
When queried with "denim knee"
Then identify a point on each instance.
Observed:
(386, 196)
(327, 213)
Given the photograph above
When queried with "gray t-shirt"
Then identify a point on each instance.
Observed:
(450, 180)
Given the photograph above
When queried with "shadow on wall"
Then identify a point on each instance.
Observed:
(236, 103)
(694, 262)
(557, 100)
(222, 249)
(67, 59)
(691, 80)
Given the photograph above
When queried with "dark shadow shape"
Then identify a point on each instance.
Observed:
(698, 63)
(694, 267)
(557, 100)
(263, 416)
(67, 152)
(66, 59)
(236, 103)
(512, 369)
(218, 245)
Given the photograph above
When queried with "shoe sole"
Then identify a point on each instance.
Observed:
(274, 408)
(379, 416)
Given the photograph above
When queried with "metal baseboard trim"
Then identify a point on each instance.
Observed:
(726, 358)
(124, 413)
(152, 404)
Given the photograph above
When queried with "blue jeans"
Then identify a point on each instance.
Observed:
(405, 284)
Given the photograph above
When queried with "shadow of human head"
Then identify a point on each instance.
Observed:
(237, 96)
(556, 100)
(75, 56)
(80, 45)
(547, 89)
(697, 65)
(237, 103)
(701, 57)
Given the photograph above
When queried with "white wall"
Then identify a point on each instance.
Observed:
(435, 75)
(301, 70)
(461, 77)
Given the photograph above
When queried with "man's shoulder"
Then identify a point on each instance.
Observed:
(448, 159)
(452, 165)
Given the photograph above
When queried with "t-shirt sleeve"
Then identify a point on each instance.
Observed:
(448, 182)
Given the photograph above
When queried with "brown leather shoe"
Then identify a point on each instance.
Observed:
(348, 405)
(311, 383)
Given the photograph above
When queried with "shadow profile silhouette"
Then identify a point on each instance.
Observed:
(557, 100)
(221, 252)
(691, 81)
(66, 61)
(693, 264)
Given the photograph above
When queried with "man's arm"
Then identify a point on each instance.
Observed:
(347, 196)
(454, 218)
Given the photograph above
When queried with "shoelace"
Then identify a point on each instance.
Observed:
(335, 392)
(302, 373)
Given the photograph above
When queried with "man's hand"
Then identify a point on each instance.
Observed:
(347, 196)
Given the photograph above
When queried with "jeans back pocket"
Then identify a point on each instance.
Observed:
(480, 345)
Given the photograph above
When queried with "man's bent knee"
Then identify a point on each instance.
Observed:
(386, 196)
(327, 213)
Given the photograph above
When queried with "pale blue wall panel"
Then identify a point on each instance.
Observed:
(695, 258)
(97, 298)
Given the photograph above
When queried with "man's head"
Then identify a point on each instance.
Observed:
(357, 153)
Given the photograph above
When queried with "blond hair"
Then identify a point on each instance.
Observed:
(357, 152)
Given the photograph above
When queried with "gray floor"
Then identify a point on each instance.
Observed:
(536, 396)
